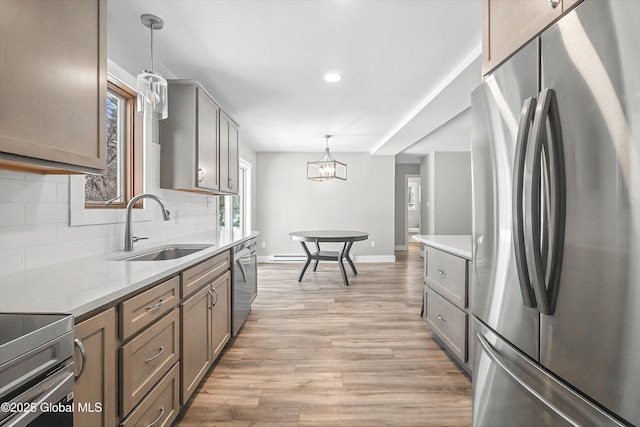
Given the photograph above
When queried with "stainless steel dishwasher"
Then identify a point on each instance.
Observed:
(36, 370)
(244, 280)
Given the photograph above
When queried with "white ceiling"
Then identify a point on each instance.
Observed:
(264, 60)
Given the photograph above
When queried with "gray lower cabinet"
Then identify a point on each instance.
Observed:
(446, 290)
(221, 314)
(196, 340)
(96, 371)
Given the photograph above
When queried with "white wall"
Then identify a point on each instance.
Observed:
(446, 193)
(287, 201)
(35, 228)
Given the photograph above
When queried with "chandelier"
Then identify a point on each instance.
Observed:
(326, 168)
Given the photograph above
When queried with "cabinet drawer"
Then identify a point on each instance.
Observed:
(447, 274)
(146, 358)
(448, 322)
(203, 273)
(161, 406)
(141, 310)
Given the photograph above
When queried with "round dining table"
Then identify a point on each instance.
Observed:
(347, 238)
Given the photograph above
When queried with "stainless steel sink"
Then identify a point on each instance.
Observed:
(168, 252)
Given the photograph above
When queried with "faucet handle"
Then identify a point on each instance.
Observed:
(135, 239)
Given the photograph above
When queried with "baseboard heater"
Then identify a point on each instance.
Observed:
(288, 258)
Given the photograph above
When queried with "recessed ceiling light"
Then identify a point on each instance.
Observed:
(332, 77)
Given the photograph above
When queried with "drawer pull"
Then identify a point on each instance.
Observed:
(157, 419)
(442, 318)
(155, 357)
(154, 306)
(442, 273)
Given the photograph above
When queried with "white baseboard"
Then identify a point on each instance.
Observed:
(401, 247)
(302, 258)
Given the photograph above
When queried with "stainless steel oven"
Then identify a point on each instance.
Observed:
(36, 370)
(244, 280)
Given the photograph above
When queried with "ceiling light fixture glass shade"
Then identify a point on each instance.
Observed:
(326, 168)
(152, 100)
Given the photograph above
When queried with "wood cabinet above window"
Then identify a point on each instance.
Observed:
(53, 85)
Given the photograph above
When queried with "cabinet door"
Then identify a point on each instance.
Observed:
(228, 155)
(207, 141)
(196, 340)
(53, 83)
(221, 314)
(97, 383)
(510, 24)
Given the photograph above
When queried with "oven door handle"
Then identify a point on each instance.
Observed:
(50, 390)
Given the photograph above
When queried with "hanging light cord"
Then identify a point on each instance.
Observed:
(151, 28)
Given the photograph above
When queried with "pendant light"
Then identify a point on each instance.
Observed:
(326, 168)
(152, 98)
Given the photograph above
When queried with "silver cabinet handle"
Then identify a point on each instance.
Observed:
(554, 3)
(154, 306)
(442, 318)
(200, 175)
(156, 356)
(214, 292)
(230, 183)
(442, 273)
(494, 356)
(157, 419)
(83, 355)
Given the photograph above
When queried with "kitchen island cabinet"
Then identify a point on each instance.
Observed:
(96, 367)
(53, 82)
(446, 296)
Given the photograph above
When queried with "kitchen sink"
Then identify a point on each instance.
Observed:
(167, 252)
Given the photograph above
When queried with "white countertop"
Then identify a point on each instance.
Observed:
(82, 286)
(454, 244)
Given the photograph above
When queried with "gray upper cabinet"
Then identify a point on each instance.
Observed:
(228, 154)
(199, 142)
(189, 139)
(53, 85)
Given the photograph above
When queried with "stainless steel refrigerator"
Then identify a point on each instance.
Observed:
(556, 188)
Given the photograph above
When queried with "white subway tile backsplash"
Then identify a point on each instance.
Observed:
(24, 236)
(46, 213)
(9, 174)
(62, 193)
(42, 256)
(12, 190)
(11, 214)
(11, 261)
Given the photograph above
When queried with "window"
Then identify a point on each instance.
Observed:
(123, 175)
(233, 219)
(412, 191)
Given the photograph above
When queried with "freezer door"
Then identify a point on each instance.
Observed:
(592, 341)
(513, 391)
(496, 108)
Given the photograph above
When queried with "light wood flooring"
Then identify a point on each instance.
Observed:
(318, 353)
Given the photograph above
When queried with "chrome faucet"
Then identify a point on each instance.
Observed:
(128, 236)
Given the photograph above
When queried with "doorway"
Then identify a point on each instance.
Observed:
(412, 210)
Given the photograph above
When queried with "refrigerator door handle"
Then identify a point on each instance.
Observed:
(526, 118)
(545, 270)
(495, 358)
